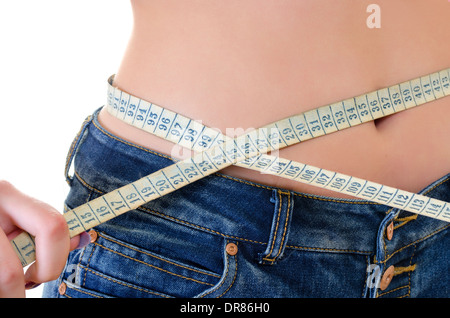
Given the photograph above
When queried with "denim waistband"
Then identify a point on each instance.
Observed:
(244, 210)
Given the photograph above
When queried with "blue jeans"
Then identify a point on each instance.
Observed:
(227, 237)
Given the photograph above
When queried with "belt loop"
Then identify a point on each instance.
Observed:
(284, 204)
(73, 149)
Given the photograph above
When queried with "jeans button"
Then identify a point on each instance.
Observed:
(390, 231)
(387, 277)
(231, 249)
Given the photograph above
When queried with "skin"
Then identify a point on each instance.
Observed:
(19, 211)
(243, 64)
(237, 65)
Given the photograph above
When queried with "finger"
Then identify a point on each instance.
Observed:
(74, 242)
(48, 227)
(24, 211)
(80, 241)
(52, 249)
(11, 273)
(33, 279)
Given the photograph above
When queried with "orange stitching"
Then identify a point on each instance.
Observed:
(147, 210)
(405, 220)
(124, 284)
(435, 186)
(398, 288)
(153, 266)
(87, 264)
(234, 278)
(413, 269)
(87, 185)
(129, 143)
(243, 181)
(284, 231)
(407, 269)
(304, 195)
(82, 291)
(285, 225)
(276, 229)
(408, 220)
(224, 277)
(415, 242)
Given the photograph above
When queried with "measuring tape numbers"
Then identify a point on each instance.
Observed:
(215, 151)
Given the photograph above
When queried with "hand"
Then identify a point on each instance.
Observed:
(19, 212)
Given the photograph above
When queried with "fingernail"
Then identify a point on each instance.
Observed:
(31, 285)
(85, 239)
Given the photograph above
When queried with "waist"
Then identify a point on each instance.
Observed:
(397, 155)
(232, 206)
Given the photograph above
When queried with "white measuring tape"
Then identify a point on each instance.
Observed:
(216, 151)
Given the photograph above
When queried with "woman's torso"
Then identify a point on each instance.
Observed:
(237, 65)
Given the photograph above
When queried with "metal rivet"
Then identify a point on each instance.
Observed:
(231, 249)
(62, 288)
(93, 234)
(390, 231)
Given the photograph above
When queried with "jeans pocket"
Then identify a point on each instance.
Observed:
(74, 291)
(113, 268)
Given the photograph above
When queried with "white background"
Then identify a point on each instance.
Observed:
(55, 58)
